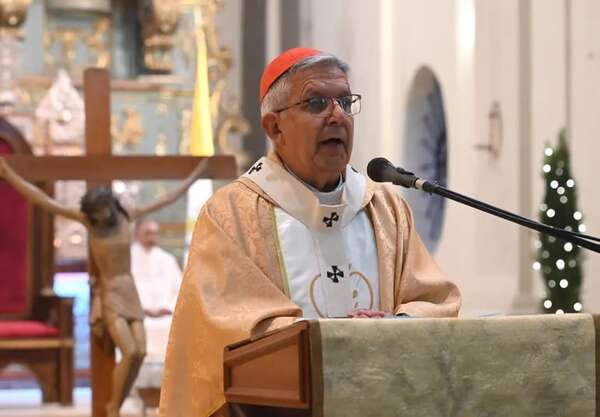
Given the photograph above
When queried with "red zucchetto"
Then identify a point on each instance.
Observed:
(281, 64)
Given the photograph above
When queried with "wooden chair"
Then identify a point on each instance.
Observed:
(36, 326)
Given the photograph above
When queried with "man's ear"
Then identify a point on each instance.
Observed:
(270, 124)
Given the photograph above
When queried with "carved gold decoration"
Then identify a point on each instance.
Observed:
(10, 57)
(12, 16)
(159, 20)
(186, 41)
(67, 38)
(225, 109)
(162, 108)
(13, 13)
(132, 131)
(161, 145)
(186, 123)
(232, 122)
(96, 42)
(219, 57)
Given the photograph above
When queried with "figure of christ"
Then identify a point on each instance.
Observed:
(116, 304)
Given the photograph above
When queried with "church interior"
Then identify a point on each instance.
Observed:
(492, 99)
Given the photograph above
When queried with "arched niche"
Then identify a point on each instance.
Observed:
(426, 152)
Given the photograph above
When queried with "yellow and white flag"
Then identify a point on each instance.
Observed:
(201, 133)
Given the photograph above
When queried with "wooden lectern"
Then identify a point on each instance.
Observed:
(270, 376)
(542, 365)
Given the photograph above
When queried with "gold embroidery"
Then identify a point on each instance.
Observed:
(371, 296)
(360, 275)
(312, 295)
(284, 275)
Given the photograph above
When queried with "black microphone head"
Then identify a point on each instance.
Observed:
(379, 169)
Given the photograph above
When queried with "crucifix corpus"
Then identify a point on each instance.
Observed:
(116, 313)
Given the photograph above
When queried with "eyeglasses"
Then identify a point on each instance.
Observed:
(320, 106)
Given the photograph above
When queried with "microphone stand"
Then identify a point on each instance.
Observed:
(579, 239)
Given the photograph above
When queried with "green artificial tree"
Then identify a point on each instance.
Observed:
(560, 261)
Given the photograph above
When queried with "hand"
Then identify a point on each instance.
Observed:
(364, 313)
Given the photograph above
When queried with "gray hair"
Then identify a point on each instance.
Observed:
(278, 93)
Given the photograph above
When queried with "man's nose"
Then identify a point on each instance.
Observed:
(337, 113)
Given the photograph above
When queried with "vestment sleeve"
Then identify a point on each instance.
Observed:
(224, 298)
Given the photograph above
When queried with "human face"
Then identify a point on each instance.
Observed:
(105, 216)
(316, 149)
(148, 234)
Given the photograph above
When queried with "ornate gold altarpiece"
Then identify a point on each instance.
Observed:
(150, 99)
(151, 89)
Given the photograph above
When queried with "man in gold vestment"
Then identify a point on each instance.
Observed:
(301, 234)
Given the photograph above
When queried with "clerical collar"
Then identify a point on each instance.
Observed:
(329, 198)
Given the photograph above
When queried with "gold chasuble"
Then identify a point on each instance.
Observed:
(235, 284)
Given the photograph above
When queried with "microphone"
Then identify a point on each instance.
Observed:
(382, 170)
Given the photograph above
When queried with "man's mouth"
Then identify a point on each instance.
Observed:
(332, 141)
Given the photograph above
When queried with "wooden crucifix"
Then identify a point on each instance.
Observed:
(98, 167)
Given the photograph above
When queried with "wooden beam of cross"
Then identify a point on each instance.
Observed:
(103, 169)
(99, 167)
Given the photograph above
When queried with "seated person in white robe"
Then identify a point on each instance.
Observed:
(157, 276)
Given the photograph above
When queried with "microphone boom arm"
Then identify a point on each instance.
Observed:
(382, 170)
(579, 239)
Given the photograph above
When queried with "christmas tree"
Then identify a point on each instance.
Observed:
(560, 261)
